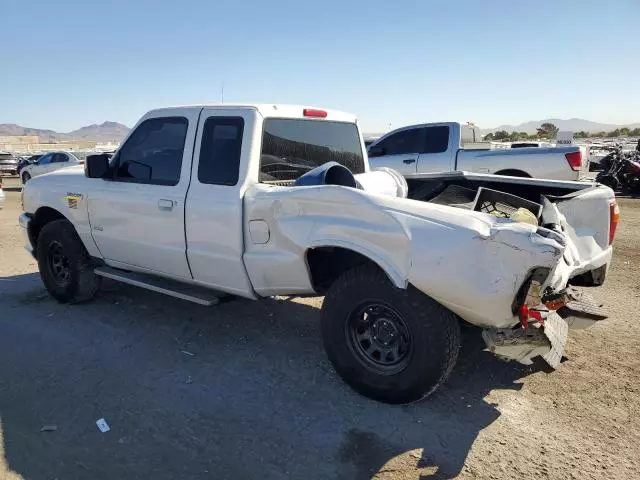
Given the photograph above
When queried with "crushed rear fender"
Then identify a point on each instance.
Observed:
(473, 263)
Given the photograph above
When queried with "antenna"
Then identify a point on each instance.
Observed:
(222, 92)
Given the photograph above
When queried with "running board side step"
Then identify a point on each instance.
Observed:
(191, 293)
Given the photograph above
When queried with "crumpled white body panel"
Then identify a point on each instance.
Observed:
(473, 263)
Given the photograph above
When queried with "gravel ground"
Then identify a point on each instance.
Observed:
(244, 390)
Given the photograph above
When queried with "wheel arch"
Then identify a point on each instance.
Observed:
(39, 219)
(327, 262)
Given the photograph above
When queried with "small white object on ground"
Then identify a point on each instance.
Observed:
(103, 425)
(188, 353)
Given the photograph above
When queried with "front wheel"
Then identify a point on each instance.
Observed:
(26, 177)
(65, 265)
(389, 344)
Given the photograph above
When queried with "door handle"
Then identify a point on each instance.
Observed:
(164, 204)
(409, 161)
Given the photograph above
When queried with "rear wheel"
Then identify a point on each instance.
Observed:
(65, 265)
(389, 344)
(26, 177)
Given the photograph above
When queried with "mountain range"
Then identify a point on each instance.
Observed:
(571, 124)
(104, 132)
(115, 132)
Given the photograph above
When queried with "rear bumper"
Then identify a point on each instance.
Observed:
(589, 273)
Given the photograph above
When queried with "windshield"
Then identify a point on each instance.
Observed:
(292, 147)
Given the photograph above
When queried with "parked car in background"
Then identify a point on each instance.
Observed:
(48, 163)
(8, 164)
(369, 140)
(450, 146)
(27, 160)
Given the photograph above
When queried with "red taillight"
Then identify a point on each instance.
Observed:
(312, 112)
(614, 219)
(575, 160)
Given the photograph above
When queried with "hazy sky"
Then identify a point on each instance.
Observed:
(69, 63)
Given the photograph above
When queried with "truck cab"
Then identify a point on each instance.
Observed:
(170, 201)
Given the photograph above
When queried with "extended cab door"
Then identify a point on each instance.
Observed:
(436, 155)
(137, 215)
(398, 150)
(214, 221)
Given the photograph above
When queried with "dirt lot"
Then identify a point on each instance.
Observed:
(244, 390)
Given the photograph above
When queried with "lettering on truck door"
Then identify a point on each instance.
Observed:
(137, 215)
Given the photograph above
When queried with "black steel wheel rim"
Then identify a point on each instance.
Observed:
(58, 263)
(379, 338)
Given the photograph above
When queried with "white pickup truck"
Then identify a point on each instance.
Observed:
(445, 147)
(240, 199)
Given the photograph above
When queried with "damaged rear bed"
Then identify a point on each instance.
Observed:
(580, 216)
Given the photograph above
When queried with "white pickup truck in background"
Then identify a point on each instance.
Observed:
(263, 200)
(450, 146)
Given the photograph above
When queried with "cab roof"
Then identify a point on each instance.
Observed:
(274, 110)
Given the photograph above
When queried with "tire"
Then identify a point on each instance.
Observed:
(26, 177)
(65, 266)
(432, 330)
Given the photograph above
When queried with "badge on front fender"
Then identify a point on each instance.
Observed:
(73, 199)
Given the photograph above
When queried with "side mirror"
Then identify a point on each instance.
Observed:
(97, 166)
(377, 151)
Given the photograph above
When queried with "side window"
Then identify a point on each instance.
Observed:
(220, 150)
(437, 139)
(46, 159)
(59, 158)
(406, 141)
(153, 153)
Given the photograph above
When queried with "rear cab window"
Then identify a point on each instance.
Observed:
(291, 147)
